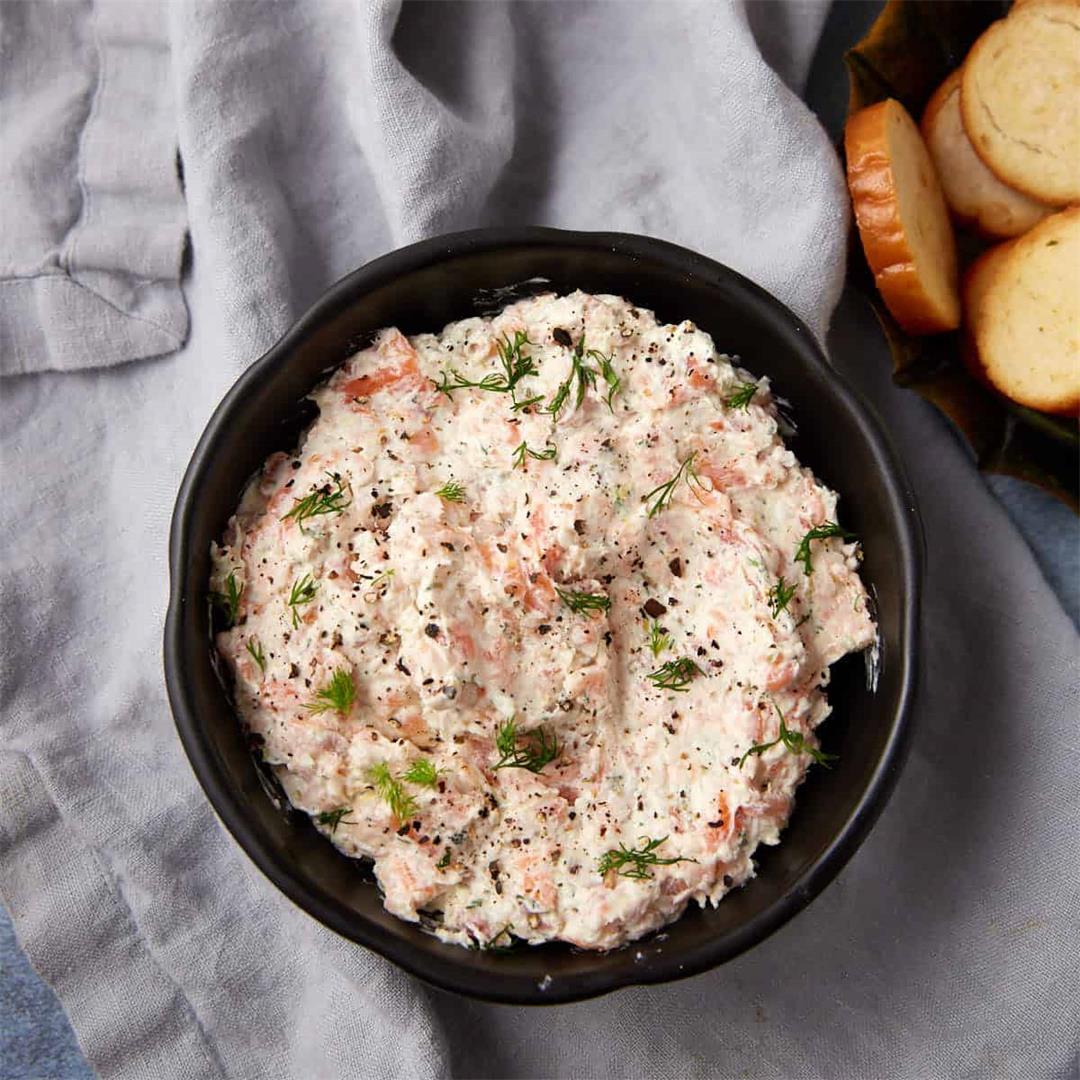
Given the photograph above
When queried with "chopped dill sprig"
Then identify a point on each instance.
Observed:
(659, 638)
(635, 862)
(327, 499)
(795, 741)
(675, 674)
(229, 600)
(378, 583)
(608, 374)
(303, 592)
(780, 596)
(530, 751)
(254, 646)
(818, 532)
(581, 603)
(662, 494)
(451, 491)
(523, 451)
(334, 818)
(491, 946)
(492, 382)
(402, 804)
(743, 395)
(516, 365)
(421, 772)
(444, 862)
(337, 696)
(582, 377)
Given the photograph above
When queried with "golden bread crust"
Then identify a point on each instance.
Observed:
(976, 197)
(1022, 311)
(902, 218)
(1020, 100)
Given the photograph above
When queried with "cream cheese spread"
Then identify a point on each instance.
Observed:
(539, 618)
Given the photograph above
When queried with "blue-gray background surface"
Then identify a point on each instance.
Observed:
(36, 1040)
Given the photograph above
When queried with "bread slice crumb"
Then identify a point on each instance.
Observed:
(1022, 312)
(976, 197)
(1020, 100)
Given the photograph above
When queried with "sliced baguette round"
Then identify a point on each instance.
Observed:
(1023, 313)
(976, 197)
(1020, 100)
(1022, 5)
(977, 279)
(902, 218)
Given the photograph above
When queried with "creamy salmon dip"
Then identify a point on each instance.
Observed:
(539, 619)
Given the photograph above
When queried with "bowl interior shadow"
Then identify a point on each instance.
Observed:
(421, 289)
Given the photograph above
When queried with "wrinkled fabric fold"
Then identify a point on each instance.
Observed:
(93, 221)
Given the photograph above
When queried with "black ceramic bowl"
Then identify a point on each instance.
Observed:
(421, 288)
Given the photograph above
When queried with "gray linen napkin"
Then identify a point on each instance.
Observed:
(92, 219)
(315, 137)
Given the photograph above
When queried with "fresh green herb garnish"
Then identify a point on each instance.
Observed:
(743, 395)
(523, 452)
(229, 600)
(530, 751)
(333, 818)
(303, 592)
(421, 772)
(254, 646)
(780, 596)
(493, 382)
(675, 674)
(451, 491)
(663, 493)
(402, 804)
(659, 638)
(582, 602)
(607, 373)
(795, 741)
(635, 862)
(582, 376)
(490, 946)
(381, 579)
(558, 399)
(328, 499)
(818, 532)
(516, 365)
(444, 862)
(337, 696)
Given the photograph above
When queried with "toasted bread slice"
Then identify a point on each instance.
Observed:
(1023, 307)
(976, 197)
(903, 221)
(976, 281)
(1021, 5)
(1020, 100)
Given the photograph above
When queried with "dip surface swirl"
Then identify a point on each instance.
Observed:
(550, 649)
